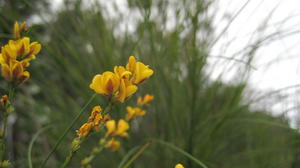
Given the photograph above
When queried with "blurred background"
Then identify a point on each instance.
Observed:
(226, 79)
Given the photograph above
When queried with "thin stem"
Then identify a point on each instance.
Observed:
(31, 145)
(72, 153)
(68, 159)
(2, 140)
(4, 127)
(67, 130)
(139, 153)
(94, 154)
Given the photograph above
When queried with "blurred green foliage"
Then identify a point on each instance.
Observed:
(206, 118)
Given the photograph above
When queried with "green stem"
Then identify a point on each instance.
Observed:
(67, 130)
(68, 159)
(94, 154)
(2, 139)
(135, 156)
(71, 154)
(4, 127)
(31, 145)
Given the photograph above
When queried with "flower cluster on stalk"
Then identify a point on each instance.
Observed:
(122, 83)
(16, 55)
(93, 123)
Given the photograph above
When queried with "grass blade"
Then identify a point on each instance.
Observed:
(35, 136)
(171, 146)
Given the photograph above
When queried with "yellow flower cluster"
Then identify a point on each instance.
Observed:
(15, 56)
(134, 112)
(113, 131)
(118, 86)
(95, 119)
(120, 129)
(122, 83)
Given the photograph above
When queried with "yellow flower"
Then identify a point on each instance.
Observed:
(22, 50)
(126, 87)
(120, 130)
(16, 55)
(107, 83)
(131, 64)
(145, 100)
(4, 101)
(85, 129)
(132, 113)
(179, 166)
(122, 72)
(96, 116)
(19, 30)
(140, 72)
(126, 90)
(14, 72)
(113, 144)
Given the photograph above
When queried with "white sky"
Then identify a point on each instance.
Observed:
(277, 65)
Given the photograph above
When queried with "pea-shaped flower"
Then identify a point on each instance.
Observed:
(126, 87)
(140, 72)
(113, 144)
(85, 129)
(141, 101)
(119, 130)
(133, 113)
(107, 83)
(14, 72)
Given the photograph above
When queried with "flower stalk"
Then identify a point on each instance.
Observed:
(67, 130)
(75, 146)
(6, 109)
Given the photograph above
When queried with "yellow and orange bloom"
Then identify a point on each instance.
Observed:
(14, 72)
(141, 101)
(95, 119)
(96, 116)
(126, 90)
(16, 55)
(4, 102)
(19, 30)
(22, 50)
(140, 72)
(113, 144)
(131, 64)
(121, 83)
(133, 113)
(122, 72)
(119, 130)
(85, 129)
(179, 166)
(107, 83)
